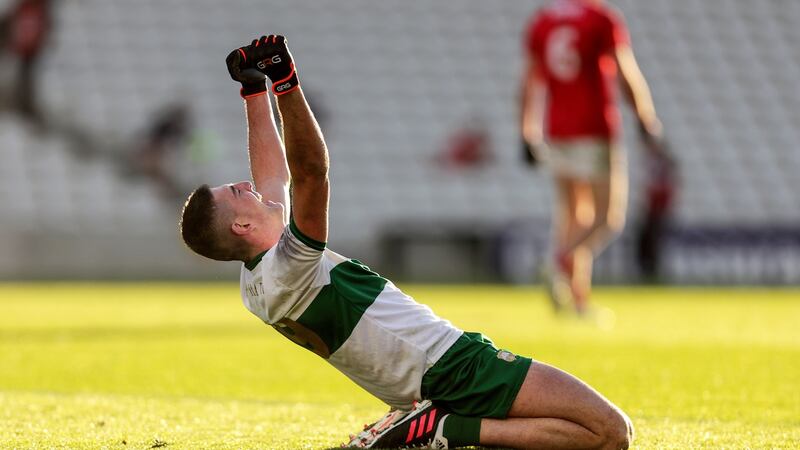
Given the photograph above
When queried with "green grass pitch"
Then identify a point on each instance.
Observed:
(185, 366)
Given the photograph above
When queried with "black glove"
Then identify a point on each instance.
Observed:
(265, 56)
(253, 82)
(270, 56)
(529, 153)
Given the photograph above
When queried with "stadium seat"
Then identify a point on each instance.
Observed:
(411, 74)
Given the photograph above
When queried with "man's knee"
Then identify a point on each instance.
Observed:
(609, 226)
(618, 431)
(616, 222)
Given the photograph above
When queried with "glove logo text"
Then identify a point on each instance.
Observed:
(283, 87)
(268, 62)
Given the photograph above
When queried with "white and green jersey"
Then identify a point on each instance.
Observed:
(338, 308)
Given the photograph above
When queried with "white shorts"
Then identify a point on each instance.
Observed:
(585, 159)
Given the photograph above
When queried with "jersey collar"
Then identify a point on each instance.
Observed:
(250, 265)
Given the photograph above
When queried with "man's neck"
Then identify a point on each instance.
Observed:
(253, 260)
(261, 246)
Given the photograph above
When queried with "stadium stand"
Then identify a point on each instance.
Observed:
(724, 80)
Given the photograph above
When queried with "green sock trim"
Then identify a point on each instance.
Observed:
(462, 431)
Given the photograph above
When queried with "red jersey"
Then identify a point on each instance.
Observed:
(30, 24)
(573, 42)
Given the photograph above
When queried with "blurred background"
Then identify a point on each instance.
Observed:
(111, 112)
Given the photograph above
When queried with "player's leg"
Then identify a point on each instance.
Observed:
(610, 196)
(582, 251)
(554, 410)
(573, 201)
(588, 164)
(569, 223)
(608, 191)
(480, 395)
(575, 261)
(581, 281)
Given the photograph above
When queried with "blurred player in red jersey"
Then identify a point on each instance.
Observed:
(24, 31)
(575, 48)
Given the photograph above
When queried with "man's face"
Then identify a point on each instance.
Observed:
(237, 197)
(239, 202)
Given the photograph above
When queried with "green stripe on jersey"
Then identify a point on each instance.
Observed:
(313, 243)
(335, 311)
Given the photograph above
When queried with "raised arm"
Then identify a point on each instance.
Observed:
(306, 153)
(265, 149)
(267, 158)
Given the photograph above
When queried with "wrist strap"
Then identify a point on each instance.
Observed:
(252, 90)
(287, 84)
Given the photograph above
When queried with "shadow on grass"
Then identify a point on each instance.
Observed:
(472, 448)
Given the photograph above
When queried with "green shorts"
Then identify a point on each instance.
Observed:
(475, 379)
